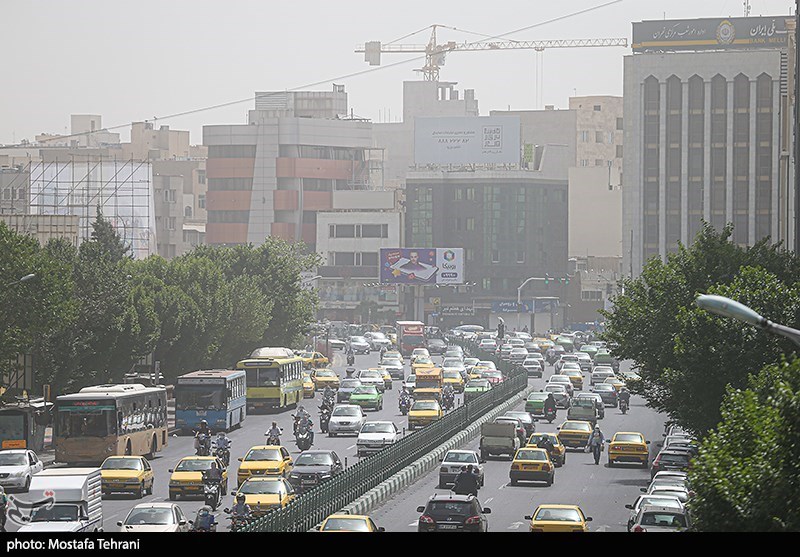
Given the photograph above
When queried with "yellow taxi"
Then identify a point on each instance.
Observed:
(558, 518)
(128, 474)
(387, 377)
(348, 523)
(422, 362)
(532, 464)
(628, 446)
(264, 460)
(616, 381)
(575, 433)
(187, 476)
(559, 454)
(265, 493)
(325, 377)
(424, 412)
(575, 376)
(314, 359)
(308, 385)
(454, 379)
(544, 343)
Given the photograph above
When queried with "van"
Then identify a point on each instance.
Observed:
(75, 501)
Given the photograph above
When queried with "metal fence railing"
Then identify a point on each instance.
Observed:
(310, 508)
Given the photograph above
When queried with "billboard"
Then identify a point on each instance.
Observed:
(467, 140)
(710, 34)
(422, 265)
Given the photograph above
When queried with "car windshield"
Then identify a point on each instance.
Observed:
(558, 515)
(264, 454)
(377, 428)
(582, 402)
(358, 339)
(193, 465)
(370, 374)
(530, 361)
(423, 360)
(452, 362)
(604, 387)
(628, 438)
(326, 373)
(350, 384)
(425, 405)
(450, 508)
(664, 519)
(536, 437)
(13, 459)
(478, 383)
(253, 487)
(577, 426)
(553, 388)
(524, 454)
(346, 411)
(559, 379)
(492, 373)
(676, 459)
(56, 513)
(122, 464)
(346, 525)
(314, 459)
(153, 515)
(487, 364)
(366, 390)
(461, 458)
(659, 500)
(411, 379)
(392, 362)
(451, 374)
(522, 416)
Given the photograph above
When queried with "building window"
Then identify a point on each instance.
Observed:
(187, 212)
(201, 201)
(231, 151)
(591, 295)
(201, 176)
(619, 151)
(458, 194)
(619, 124)
(470, 224)
(610, 138)
(345, 231)
(170, 251)
(597, 108)
(470, 194)
(171, 223)
(344, 258)
(239, 217)
(598, 137)
(584, 162)
(584, 136)
(230, 184)
(520, 256)
(369, 259)
(495, 256)
(169, 196)
(469, 254)
(599, 162)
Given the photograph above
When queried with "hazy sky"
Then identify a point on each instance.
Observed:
(133, 60)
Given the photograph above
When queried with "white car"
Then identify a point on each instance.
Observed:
(516, 342)
(155, 517)
(359, 344)
(655, 518)
(417, 352)
(533, 366)
(488, 344)
(377, 341)
(372, 377)
(452, 463)
(660, 500)
(17, 466)
(600, 374)
(374, 436)
(346, 418)
(562, 380)
(410, 383)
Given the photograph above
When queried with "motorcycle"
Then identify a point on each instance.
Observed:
(202, 444)
(448, 402)
(351, 359)
(224, 454)
(273, 440)
(303, 439)
(623, 406)
(204, 521)
(237, 521)
(324, 418)
(550, 415)
(405, 405)
(212, 493)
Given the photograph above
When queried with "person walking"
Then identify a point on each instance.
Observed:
(596, 441)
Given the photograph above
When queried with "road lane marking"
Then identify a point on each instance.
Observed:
(351, 447)
(489, 500)
(516, 525)
(412, 524)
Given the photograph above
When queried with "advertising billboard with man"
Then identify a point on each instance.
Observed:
(422, 265)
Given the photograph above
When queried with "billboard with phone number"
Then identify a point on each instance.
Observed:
(422, 265)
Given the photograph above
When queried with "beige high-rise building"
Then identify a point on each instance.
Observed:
(600, 132)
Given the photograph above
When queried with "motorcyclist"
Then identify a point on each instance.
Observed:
(303, 423)
(596, 440)
(546, 443)
(328, 393)
(213, 474)
(274, 431)
(550, 403)
(383, 351)
(223, 443)
(241, 510)
(466, 483)
(202, 437)
(204, 520)
(625, 396)
(351, 357)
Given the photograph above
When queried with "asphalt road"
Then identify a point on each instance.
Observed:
(600, 491)
(116, 507)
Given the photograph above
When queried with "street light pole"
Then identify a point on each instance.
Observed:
(726, 307)
(26, 278)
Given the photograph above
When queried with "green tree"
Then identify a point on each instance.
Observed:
(746, 477)
(656, 324)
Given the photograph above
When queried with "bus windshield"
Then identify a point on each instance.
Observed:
(83, 422)
(263, 377)
(12, 427)
(200, 397)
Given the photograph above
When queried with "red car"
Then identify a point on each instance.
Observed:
(494, 377)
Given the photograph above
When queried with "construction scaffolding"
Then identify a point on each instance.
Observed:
(122, 190)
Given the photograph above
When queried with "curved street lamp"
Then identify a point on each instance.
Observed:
(26, 278)
(726, 307)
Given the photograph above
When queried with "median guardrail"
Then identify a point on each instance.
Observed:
(312, 507)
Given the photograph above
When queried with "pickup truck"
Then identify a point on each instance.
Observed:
(498, 438)
(583, 409)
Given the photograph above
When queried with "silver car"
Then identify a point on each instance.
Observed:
(346, 419)
(17, 466)
(452, 463)
(656, 518)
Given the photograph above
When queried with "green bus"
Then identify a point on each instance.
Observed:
(274, 378)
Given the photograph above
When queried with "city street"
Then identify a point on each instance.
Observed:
(600, 491)
(116, 507)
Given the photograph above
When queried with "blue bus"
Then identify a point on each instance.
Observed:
(218, 396)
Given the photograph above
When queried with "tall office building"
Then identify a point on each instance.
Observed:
(707, 134)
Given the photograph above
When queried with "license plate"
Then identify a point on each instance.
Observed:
(531, 467)
(308, 482)
(448, 526)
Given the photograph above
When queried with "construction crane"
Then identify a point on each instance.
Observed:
(435, 53)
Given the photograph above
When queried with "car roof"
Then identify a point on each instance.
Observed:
(660, 508)
(13, 451)
(450, 497)
(351, 516)
(260, 447)
(154, 505)
(558, 506)
(196, 457)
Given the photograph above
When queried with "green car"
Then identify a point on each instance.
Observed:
(476, 387)
(589, 349)
(367, 396)
(534, 405)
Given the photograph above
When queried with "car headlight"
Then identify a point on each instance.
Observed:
(294, 475)
(324, 475)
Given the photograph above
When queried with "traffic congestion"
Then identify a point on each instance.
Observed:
(249, 440)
